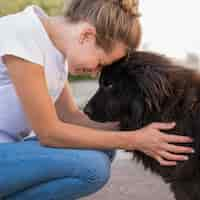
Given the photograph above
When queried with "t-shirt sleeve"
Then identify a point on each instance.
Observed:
(22, 46)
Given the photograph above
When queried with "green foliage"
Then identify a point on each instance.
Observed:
(52, 7)
(78, 78)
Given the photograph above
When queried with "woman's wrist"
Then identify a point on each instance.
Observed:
(128, 140)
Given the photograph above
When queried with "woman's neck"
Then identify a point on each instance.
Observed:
(57, 30)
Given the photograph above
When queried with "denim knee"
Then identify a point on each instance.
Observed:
(111, 154)
(98, 172)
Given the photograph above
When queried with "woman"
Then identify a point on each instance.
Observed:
(70, 155)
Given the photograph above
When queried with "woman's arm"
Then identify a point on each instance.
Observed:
(68, 112)
(80, 118)
(30, 84)
(66, 104)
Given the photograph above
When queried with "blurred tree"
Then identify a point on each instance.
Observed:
(52, 7)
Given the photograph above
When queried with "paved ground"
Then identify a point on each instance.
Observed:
(129, 181)
(83, 90)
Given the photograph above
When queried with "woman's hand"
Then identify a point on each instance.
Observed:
(157, 144)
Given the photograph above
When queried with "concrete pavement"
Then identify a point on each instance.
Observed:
(129, 181)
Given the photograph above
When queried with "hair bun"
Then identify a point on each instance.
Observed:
(131, 6)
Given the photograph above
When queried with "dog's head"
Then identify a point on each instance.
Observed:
(133, 88)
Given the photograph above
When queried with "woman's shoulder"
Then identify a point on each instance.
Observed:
(22, 35)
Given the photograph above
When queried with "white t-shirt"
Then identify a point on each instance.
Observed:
(23, 35)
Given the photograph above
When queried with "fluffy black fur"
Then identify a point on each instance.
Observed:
(145, 88)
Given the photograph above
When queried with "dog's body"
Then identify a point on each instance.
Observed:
(146, 88)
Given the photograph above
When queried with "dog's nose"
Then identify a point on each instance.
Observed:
(88, 110)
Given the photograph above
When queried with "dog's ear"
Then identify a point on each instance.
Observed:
(133, 114)
(137, 112)
(153, 83)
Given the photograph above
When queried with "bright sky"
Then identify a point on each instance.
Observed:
(171, 26)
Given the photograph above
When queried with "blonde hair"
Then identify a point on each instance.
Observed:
(114, 20)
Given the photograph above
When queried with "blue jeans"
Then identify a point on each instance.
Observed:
(30, 171)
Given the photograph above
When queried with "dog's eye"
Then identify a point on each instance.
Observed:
(106, 84)
(110, 86)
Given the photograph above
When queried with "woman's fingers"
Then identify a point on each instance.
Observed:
(165, 162)
(171, 138)
(114, 123)
(163, 126)
(173, 157)
(160, 145)
(110, 125)
(178, 149)
(177, 139)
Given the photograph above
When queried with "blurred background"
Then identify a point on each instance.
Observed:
(169, 26)
(52, 7)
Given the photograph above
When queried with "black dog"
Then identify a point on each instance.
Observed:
(145, 88)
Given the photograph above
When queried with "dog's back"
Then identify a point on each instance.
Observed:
(174, 95)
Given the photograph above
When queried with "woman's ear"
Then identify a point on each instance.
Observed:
(88, 33)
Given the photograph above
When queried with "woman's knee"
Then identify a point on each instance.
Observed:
(90, 166)
(98, 170)
(111, 154)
